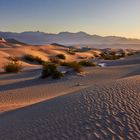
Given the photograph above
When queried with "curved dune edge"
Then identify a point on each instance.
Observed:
(102, 105)
(8, 105)
(102, 112)
(26, 88)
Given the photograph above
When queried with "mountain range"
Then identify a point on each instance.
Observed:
(67, 38)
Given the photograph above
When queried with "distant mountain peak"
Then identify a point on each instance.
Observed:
(66, 38)
(82, 33)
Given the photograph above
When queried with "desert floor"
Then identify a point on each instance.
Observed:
(103, 104)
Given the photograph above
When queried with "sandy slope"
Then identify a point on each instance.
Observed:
(25, 88)
(44, 52)
(96, 113)
(105, 106)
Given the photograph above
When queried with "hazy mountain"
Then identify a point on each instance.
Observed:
(2, 40)
(14, 41)
(67, 38)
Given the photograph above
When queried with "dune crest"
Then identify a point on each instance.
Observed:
(101, 104)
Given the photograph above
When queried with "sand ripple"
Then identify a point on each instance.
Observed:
(102, 112)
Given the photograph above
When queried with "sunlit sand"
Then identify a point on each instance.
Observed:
(101, 104)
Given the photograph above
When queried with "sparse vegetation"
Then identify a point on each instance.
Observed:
(57, 75)
(39, 60)
(75, 66)
(123, 54)
(87, 63)
(130, 53)
(32, 58)
(71, 52)
(50, 69)
(29, 57)
(61, 56)
(13, 66)
(55, 60)
(13, 58)
(111, 56)
(64, 64)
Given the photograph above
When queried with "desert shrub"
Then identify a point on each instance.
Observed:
(112, 53)
(76, 66)
(13, 67)
(130, 53)
(87, 63)
(29, 57)
(123, 54)
(71, 52)
(57, 75)
(39, 60)
(50, 69)
(55, 60)
(64, 64)
(110, 56)
(61, 56)
(137, 52)
(13, 58)
(32, 58)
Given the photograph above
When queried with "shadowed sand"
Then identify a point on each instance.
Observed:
(102, 105)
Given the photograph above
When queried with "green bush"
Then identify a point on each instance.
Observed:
(87, 63)
(13, 67)
(32, 58)
(61, 56)
(50, 69)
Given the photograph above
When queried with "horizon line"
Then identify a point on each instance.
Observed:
(69, 32)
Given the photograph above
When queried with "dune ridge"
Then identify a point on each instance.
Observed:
(102, 104)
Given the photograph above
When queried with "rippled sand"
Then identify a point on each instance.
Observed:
(102, 105)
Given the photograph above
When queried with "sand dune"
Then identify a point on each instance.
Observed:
(44, 52)
(103, 104)
(101, 111)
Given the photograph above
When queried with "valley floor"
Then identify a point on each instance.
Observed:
(103, 104)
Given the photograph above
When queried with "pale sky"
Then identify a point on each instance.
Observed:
(102, 17)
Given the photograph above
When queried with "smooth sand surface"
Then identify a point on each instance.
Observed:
(102, 105)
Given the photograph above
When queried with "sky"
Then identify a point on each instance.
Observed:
(101, 17)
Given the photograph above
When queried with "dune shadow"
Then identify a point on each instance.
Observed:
(24, 74)
(122, 62)
(28, 83)
(133, 73)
